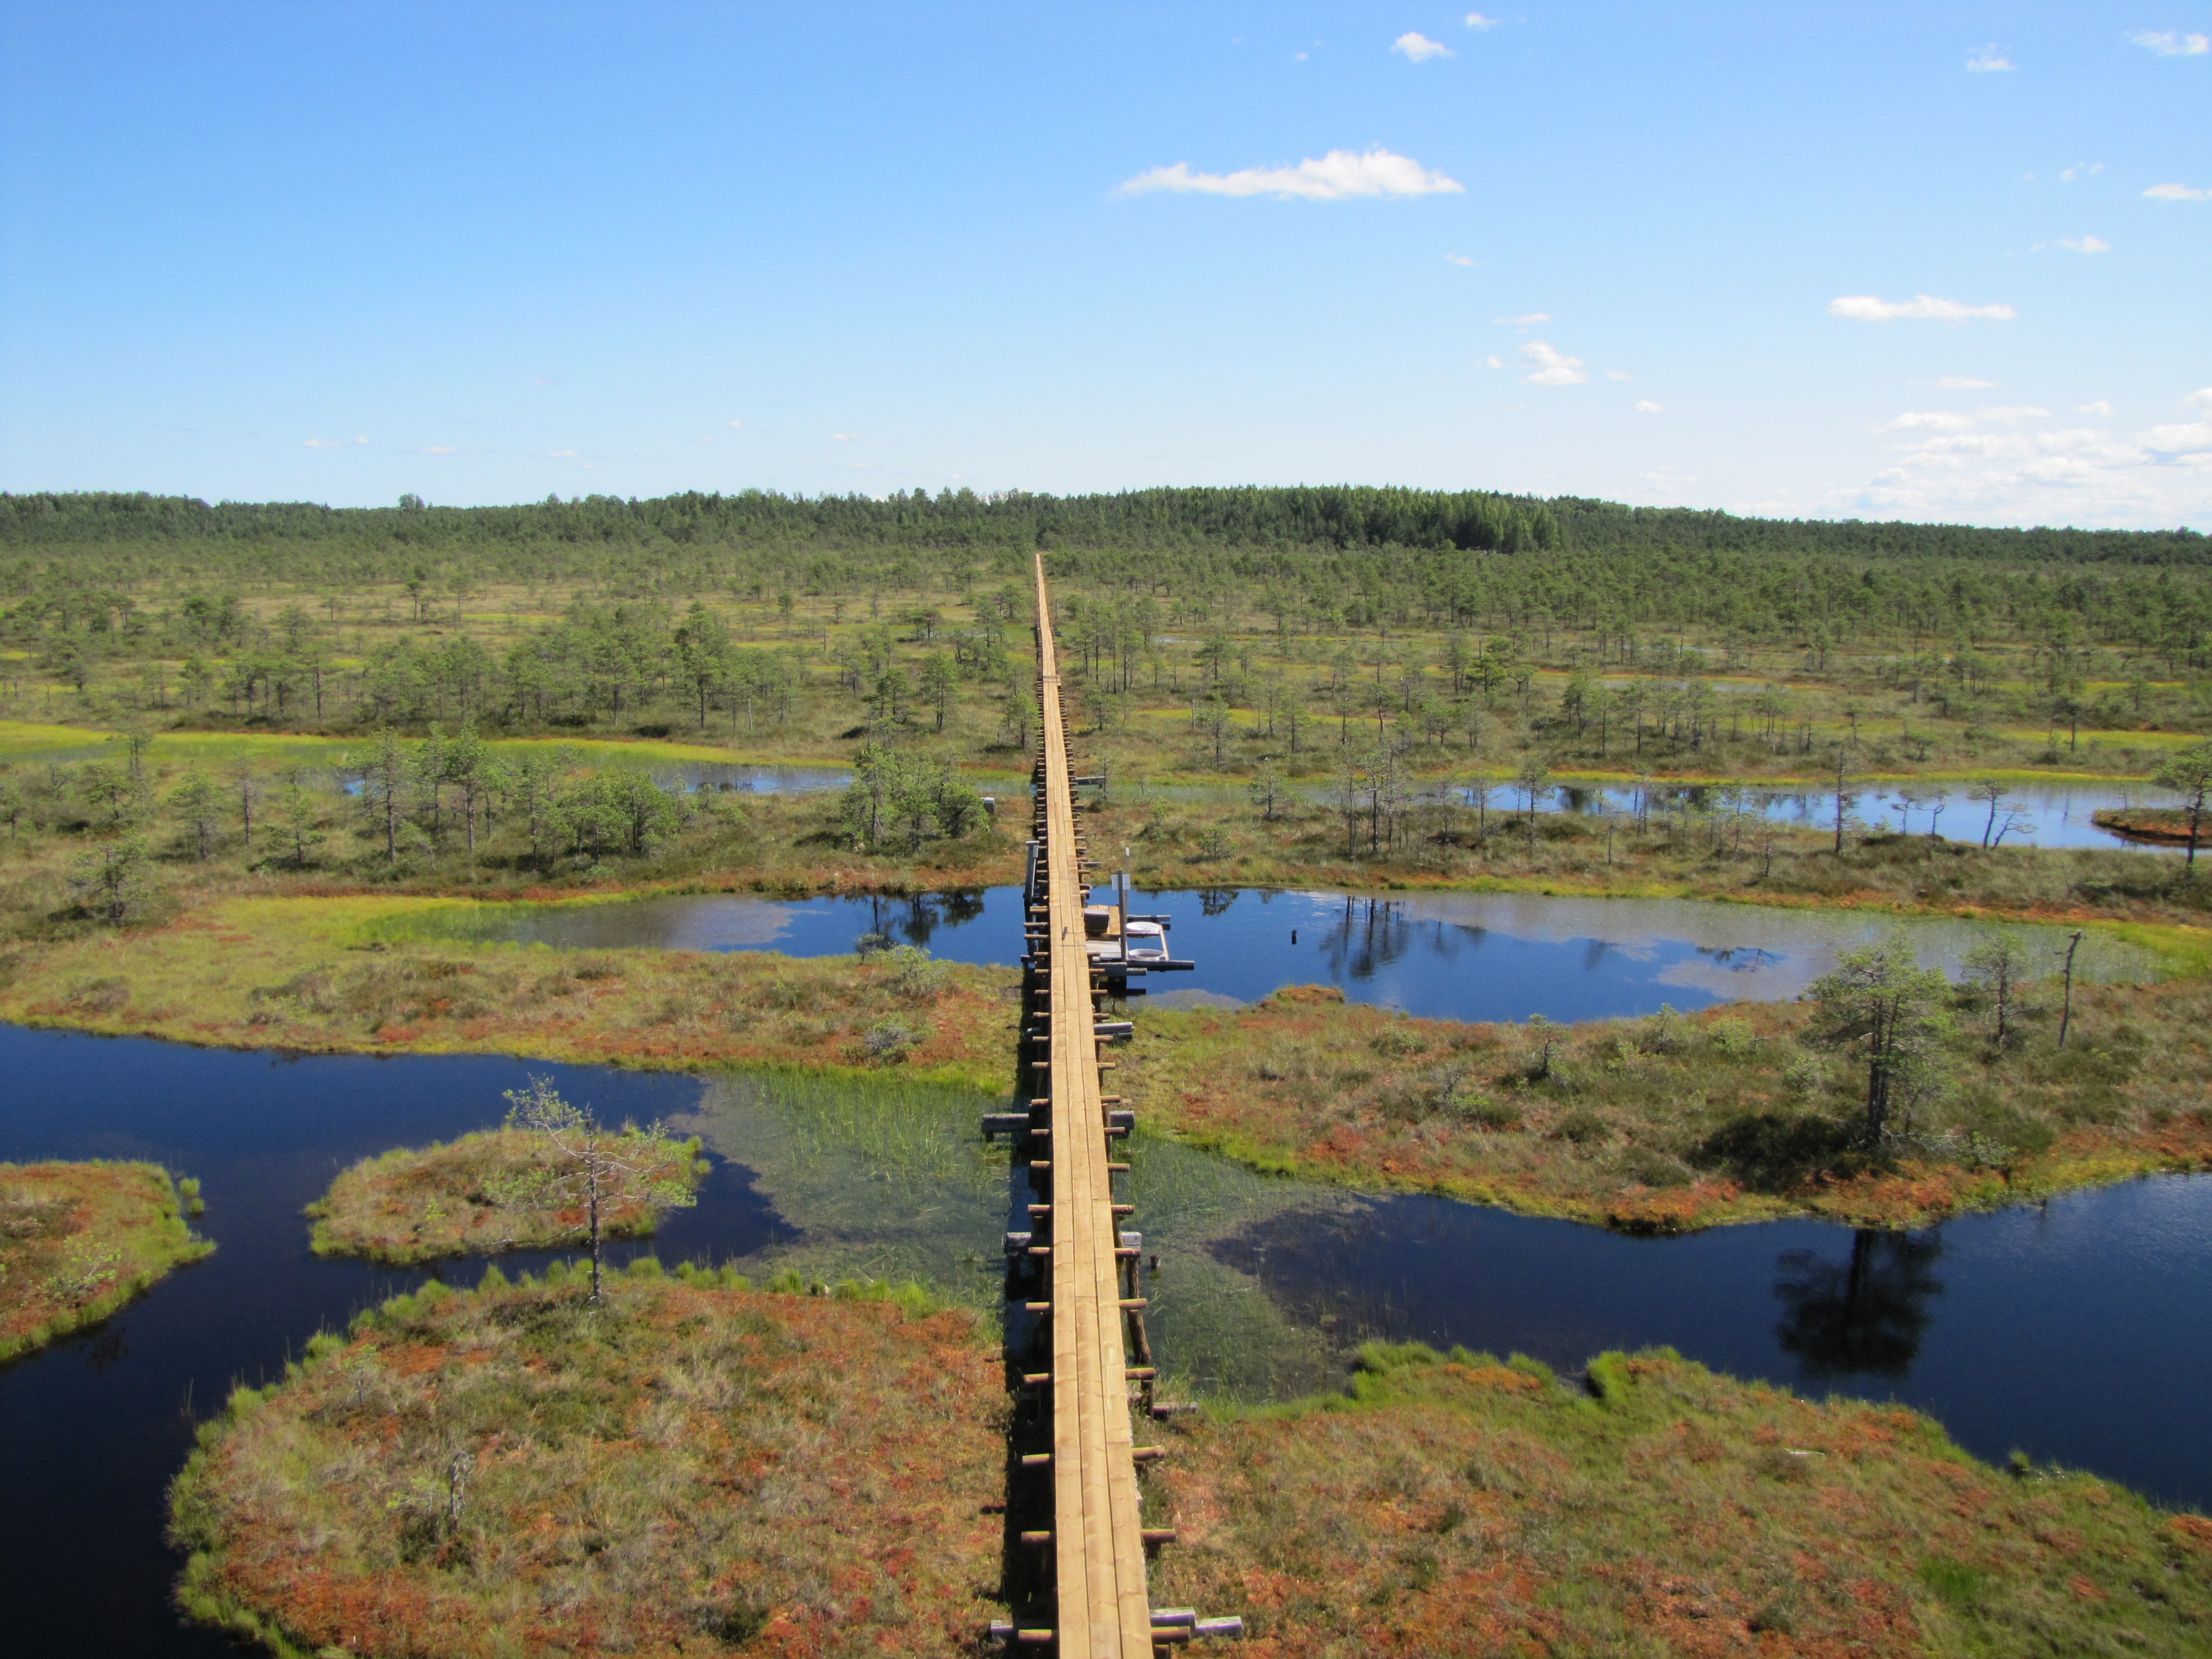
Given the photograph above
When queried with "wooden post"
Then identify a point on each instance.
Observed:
(2066, 1019)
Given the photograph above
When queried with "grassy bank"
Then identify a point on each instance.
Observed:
(1672, 854)
(307, 976)
(475, 1195)
(1459, 1506)
(694, 1467)
(1682, 1121)
(78, 1240)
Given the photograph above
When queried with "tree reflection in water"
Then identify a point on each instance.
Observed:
(915, 918)
(1862, 1315)
(1373, 934)
(1738, 958)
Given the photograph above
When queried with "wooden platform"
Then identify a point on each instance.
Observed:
(1102, 1601)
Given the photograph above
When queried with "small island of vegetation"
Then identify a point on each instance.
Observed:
(78, 1240)
(688, 1466)
(552, 1176)
(1886, 1097)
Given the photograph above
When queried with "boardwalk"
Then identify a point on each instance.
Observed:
(1101, 1603)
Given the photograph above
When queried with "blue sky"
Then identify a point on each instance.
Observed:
(1911, 261)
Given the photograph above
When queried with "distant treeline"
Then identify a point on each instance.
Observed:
(1335, 516)
(1311, 559)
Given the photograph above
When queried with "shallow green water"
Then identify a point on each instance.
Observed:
(893, 1180)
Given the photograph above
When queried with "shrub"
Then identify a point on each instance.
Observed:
(1583, 1127)
(889, 1040)
(1733, 1036)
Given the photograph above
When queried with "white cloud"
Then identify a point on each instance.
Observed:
(544, 380)
(1462, 259)
(441, 449)
(2177, 193)
(2086, 244)
(2078, 475)
(738, 425)
(1337, 176)
(1552, 368)
(1951, 420)
(1987, 60)
(1866, 308)
(1645, 406)
(843, 437)
(2173, 43)
(1962, 383)
(1494, 361)
(1420, 48)
(1525, 319)
(331, 443)
(1475, 19)
(2100, 407)
(561, 455)
(2191, 437)
(1619, 375)
(2080, 170)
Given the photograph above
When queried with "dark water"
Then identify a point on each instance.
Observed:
(2079, 1331)
(92, 1428)
(1456, 956)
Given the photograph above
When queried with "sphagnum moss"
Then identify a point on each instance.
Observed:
(1456, 1505)
(467, 1197)
(78, 1240)
(1680, 1121)
(694, 1468)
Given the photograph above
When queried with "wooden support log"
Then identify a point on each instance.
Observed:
(1036, 1460)
(1153, 1534)
(1147, 1454)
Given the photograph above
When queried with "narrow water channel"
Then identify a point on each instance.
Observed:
(2079, 1331)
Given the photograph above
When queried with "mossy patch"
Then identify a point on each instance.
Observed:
(77, 1241)
(469, 1197)
(1456, 1504)
(694, 1468)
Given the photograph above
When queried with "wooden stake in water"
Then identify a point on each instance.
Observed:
(2066, 1017)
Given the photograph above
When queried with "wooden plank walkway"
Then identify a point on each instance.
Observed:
(1103, 1608)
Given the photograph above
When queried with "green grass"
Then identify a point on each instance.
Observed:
(26, 740)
